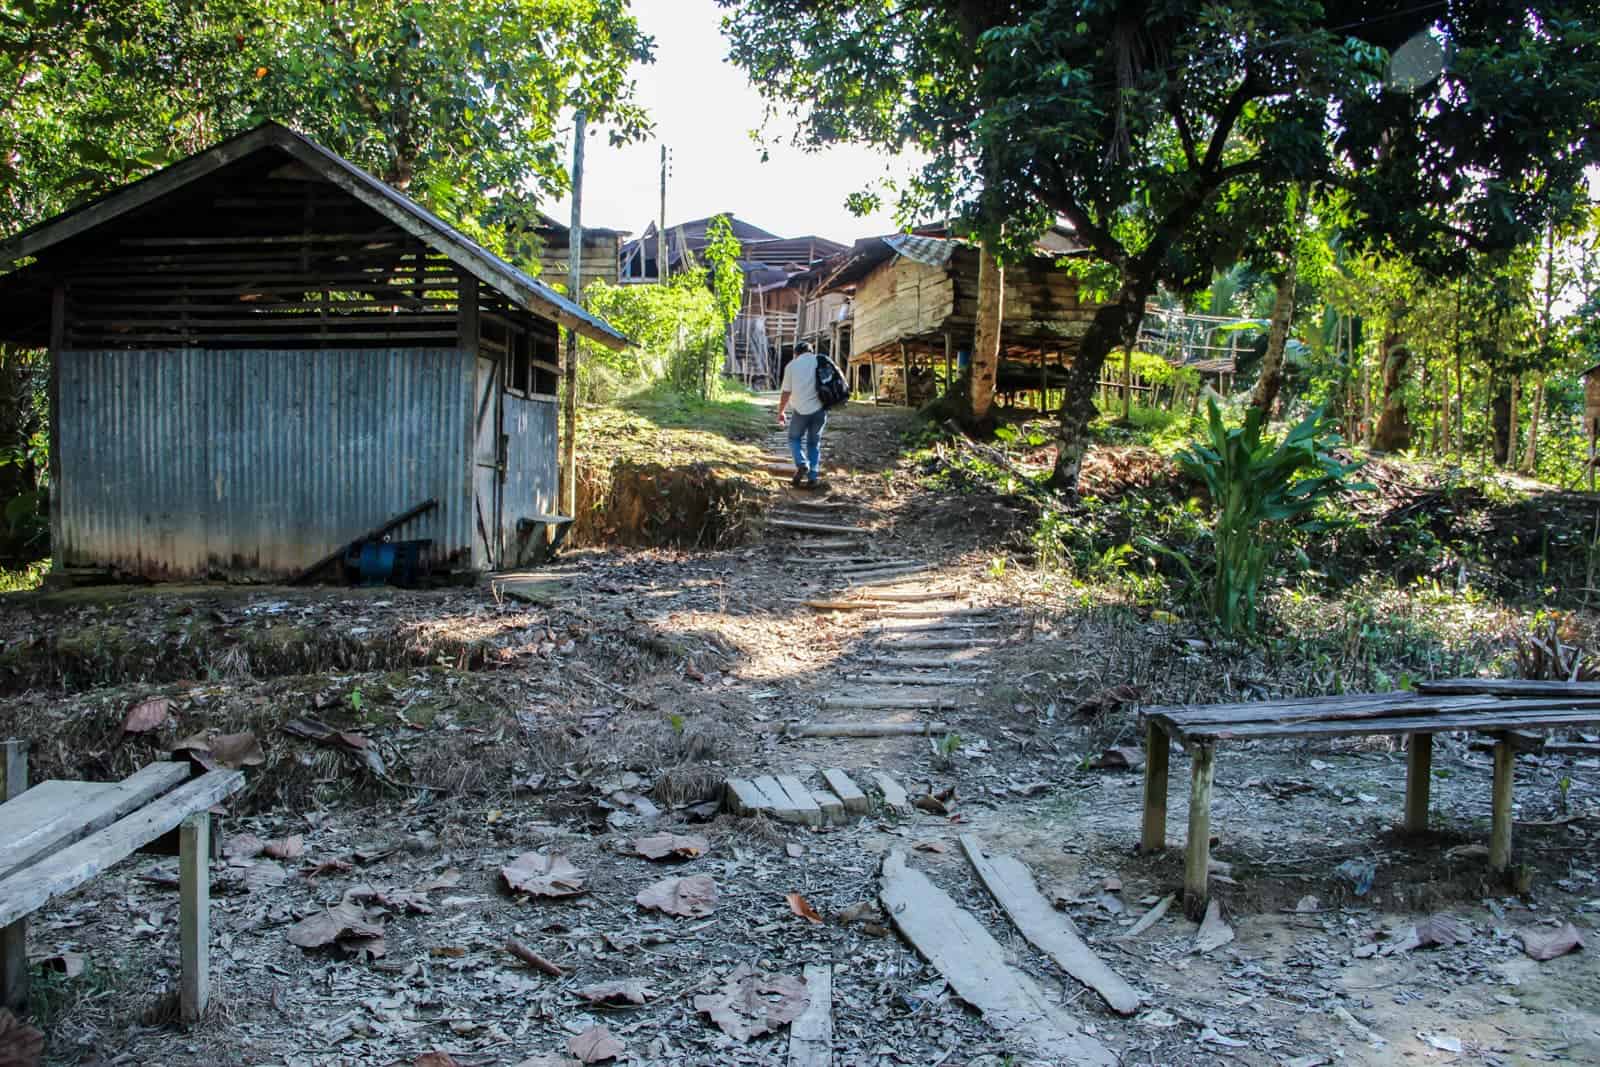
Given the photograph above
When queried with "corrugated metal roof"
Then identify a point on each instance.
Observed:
(934, 251)
(514, 284)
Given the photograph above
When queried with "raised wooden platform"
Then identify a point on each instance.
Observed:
(1498, 707)
(60, 834)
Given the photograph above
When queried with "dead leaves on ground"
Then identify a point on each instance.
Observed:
(1548, 944)
(751, 1003)
(229, 751)
(595, 1045)
(629, 992)
(544, 875)
(147, 715)
(688, 897)
(802, 907)
(671, 847)
(345, 925)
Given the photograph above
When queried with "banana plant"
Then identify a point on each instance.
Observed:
(1259, 488)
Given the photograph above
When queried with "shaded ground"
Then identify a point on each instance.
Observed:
(507, 727)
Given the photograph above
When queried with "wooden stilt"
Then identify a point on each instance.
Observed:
(194, 915)
(1419, 769)
(1505, 755)
(1197, 862)
(1158, 751)
(14, 938)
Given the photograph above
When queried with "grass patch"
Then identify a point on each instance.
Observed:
(732, 414)
(24, 578)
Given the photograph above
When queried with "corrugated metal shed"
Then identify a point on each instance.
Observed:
(254, 463)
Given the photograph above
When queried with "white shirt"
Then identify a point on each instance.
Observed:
(800, 382)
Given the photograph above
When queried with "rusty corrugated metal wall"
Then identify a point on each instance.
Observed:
(194, 462)
(533, 470)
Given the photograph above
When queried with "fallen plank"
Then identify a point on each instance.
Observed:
(894, 794)
(842, 544)
(778, 801)
(813, 527)
(944, 642)
(801, 800)
(906, 700)
(912, 679)
(936, 627)
(1046, 929)
(832, 807)
(912, 597)
(855, 801)
(743, 798)
(1150, 918)
(811, 1035)
(918, 661)
(858, 729)
(958, 946)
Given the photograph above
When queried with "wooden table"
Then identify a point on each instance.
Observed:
(1496, 707)
(60, 834)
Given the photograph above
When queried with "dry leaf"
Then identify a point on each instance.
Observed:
(865, 909)
(802, 907)
(286, 848)
(20, 1044)
(448, 878)
(1214, 932)
(147, 715)
(1111, 699)
(752, 1003)
(1120, 758)
(435, 1059)
(544, 875)
(551, 1060)
(237, 750)
(264, 874)
(670, 847)
(595, 1045)
(243, 847)
(1548, 944)
(341, 923)
(793, 850)
(1440, 929)
(931, 846)
(688, 897)
(617, 994)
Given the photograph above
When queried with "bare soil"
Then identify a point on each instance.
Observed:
(647, 677)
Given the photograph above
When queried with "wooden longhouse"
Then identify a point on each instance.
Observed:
(602, 252)
(261, 352)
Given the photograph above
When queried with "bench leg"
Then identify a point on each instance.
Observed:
(13, 938)
(1158, 752)
(1419, 771)
(1500, 828)
(1197, 860)
(194, 924)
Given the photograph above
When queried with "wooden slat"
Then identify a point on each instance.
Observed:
(56, 813)
(1545, 715)
(1299, 707)
(855, 801)
(13, 936)
(194, 916)
(959, 947)
(1046, 929)
(29, 889)
(1510, 687)
(811, 1035)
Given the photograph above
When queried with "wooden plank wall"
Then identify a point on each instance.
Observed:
(901, 299)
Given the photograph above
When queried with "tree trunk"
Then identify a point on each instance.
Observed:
(1393, 432)
(986, 348)
(1114, 324)
(1271, 377)
(1500, 419)
(1530, 458)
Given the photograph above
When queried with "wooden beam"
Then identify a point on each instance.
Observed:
(194, 916)
(58, 346)
(1419, 769)
(1197, 859)
(1505, 754)
(13, 938)
(811, 1035)
(1158, 754)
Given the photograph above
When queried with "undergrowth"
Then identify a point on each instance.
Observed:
(27, 576)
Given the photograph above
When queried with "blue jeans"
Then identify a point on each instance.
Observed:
(806, 431)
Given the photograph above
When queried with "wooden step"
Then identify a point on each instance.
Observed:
(914, 701)
(813, 527)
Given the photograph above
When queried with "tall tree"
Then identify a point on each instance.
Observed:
(1159, 129)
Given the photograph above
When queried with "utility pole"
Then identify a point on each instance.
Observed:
(569, 443)
(661, 225)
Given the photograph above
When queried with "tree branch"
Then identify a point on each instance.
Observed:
(1097, 237)
(1185, 134)
(1248, 90)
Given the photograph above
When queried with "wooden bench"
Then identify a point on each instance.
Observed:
(1498, 708)
(60, 834)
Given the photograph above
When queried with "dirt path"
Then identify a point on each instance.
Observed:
(618, 704)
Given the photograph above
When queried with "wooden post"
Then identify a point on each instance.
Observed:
(569, 399)
(194, 916)
(14, 938)
(1044, 381)
(949, 343)
(986, 339)
(661, 226)
(905, 372)
(58, 347)
(1158, 753)
(1505, 755)
(1127, 381)
(1419, 768)
(1197, 861)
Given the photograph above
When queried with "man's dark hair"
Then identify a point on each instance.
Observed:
(802, 348)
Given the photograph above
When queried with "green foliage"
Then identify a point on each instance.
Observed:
(1257, 486)
(28, 576)
(456, 103)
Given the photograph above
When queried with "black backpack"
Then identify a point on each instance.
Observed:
(832, 389)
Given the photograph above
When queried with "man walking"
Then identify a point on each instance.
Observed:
(807, 416)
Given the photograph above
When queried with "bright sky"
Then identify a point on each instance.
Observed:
(704, 109)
